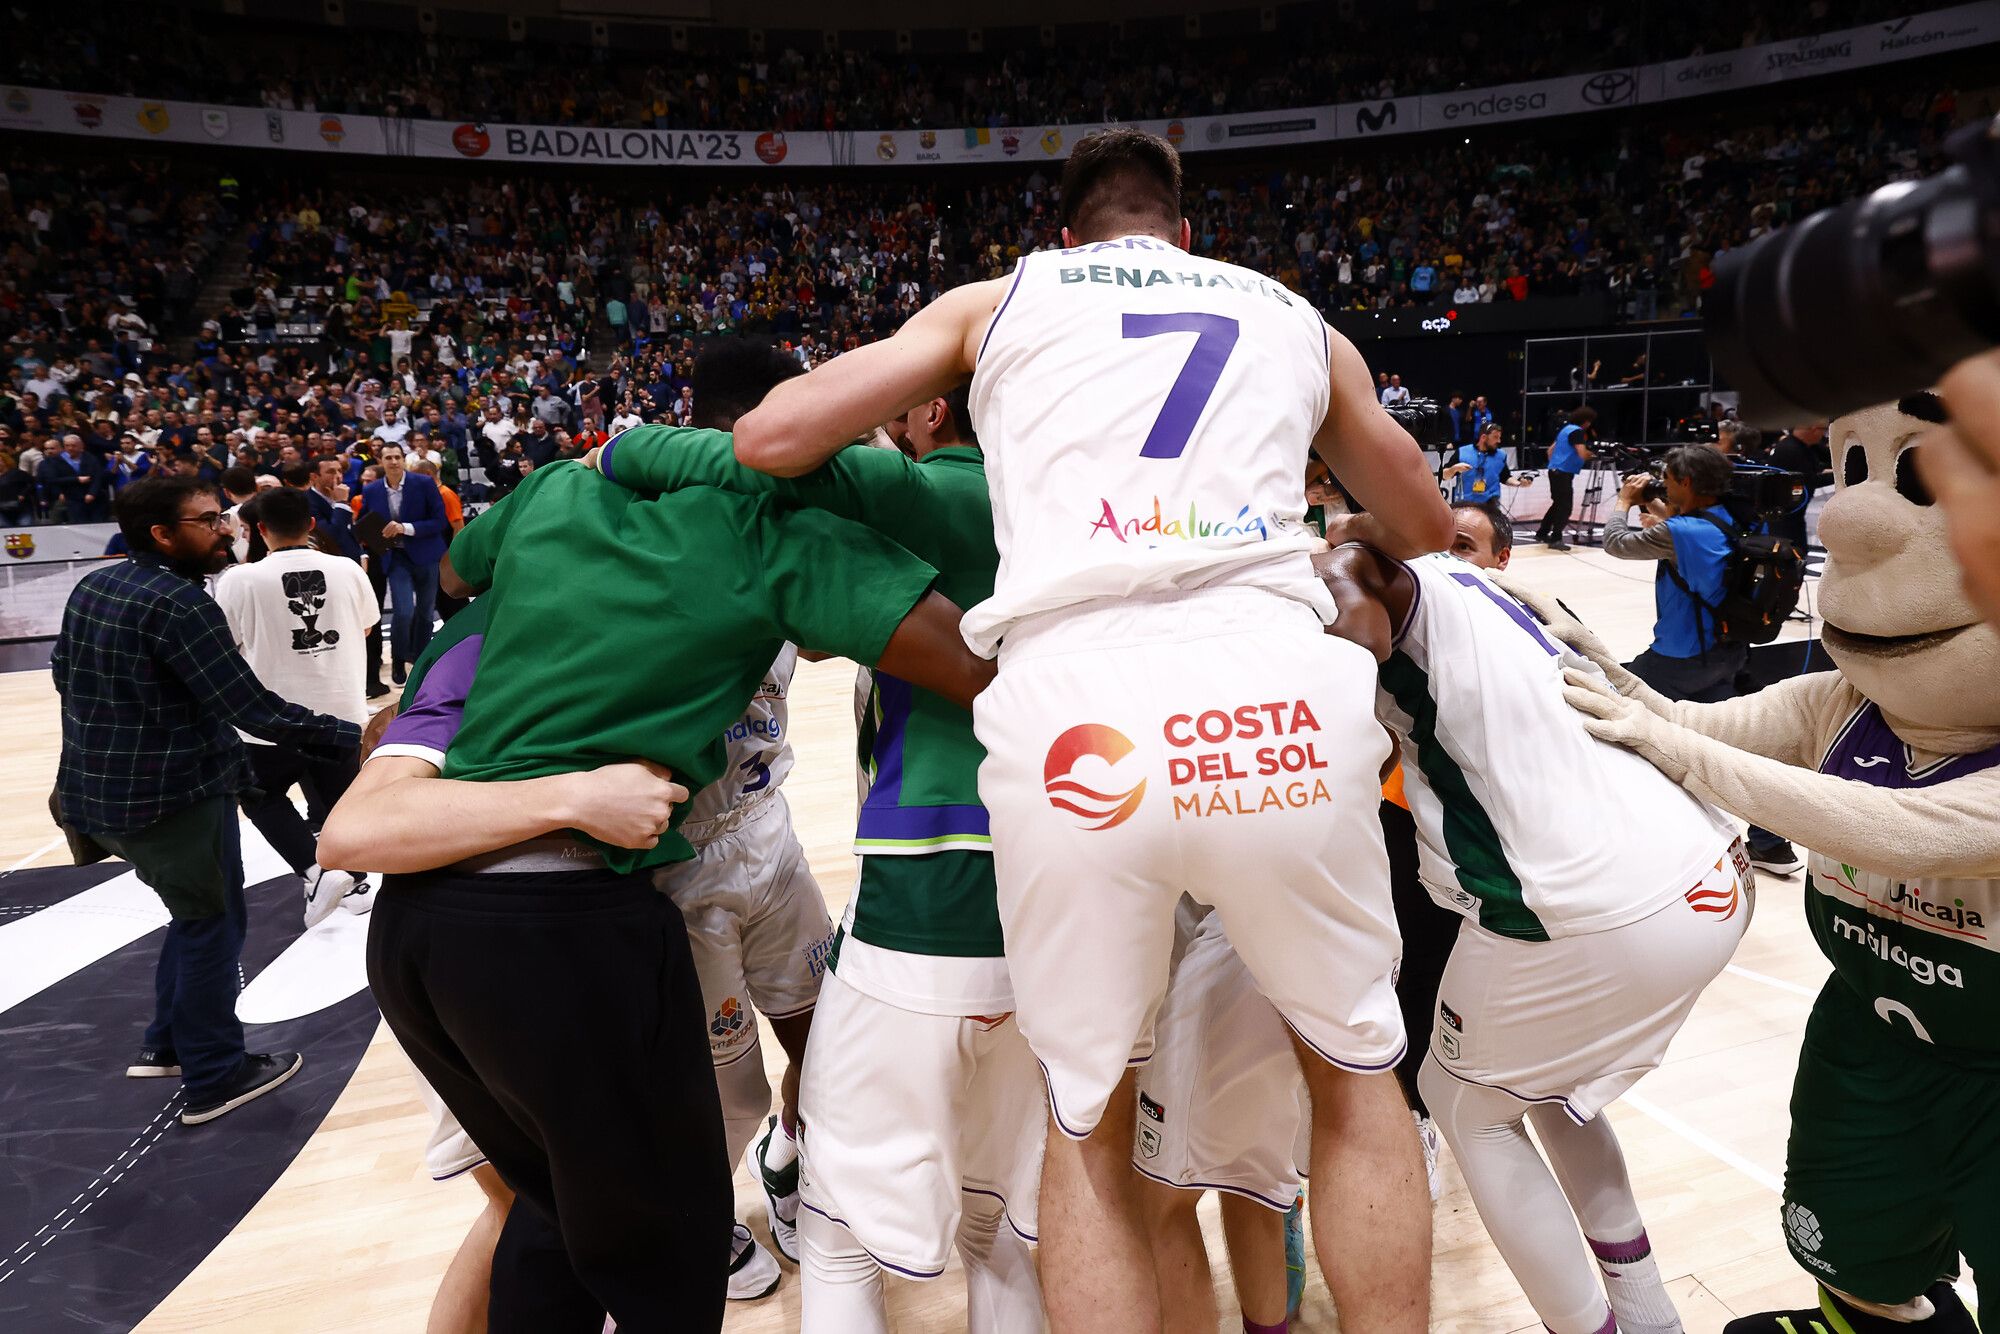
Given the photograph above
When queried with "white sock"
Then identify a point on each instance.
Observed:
(1632, 1281)
(781, 1151)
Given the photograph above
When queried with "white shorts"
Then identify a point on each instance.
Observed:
(757, 924)
(905, 1113)
(1222, 1104)
(1215, 742)
(1580, 1019)
(450, 1151)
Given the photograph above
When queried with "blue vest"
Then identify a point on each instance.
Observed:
(1562, 455)
(1684, 629)
(1487, 468)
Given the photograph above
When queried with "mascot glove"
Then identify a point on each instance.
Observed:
(1561, 624)
(1610, 716)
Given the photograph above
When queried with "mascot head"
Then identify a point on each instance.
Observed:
(1898, 622)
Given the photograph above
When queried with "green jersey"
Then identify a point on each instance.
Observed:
(926, 878)
(623, 626)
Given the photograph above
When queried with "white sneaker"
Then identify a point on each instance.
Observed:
(324, 891)
(361, 898)
(1427, 1135)
(752, 1271)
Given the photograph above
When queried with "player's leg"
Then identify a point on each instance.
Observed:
(1427, 931)
(786, 940)
(461, 1301)
(1371, 1221)
(1519, 1200)
(1180, 1258)
(1096, 1260)
(1590, 1167)
(1255, 1235)
(840, 1285)
(1003, 1294)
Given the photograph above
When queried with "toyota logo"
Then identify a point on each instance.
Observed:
(1610, 88)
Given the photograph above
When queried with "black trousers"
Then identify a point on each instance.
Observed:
(378, 579)
(1428, 934)
(274, 769)
(559, 1017)
(1562, 499)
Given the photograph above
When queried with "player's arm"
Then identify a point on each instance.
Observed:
(805, 421)
(846, 589)
(1372, 594)
(879, 487)
(1377, 462)
(467, 568)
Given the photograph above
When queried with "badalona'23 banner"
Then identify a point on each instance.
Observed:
(93, 116)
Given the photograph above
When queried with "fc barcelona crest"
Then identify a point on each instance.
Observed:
(20, 545)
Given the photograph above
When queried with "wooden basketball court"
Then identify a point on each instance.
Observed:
(354, 1235)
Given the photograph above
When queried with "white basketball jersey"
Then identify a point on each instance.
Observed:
(1525, 823)
(760, 755)
(1146, 416)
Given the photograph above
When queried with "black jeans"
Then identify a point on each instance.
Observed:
(559, 1017)
(1562, 499)
(274, 769)
(1710, 679)
(1428, 934)
(193, 860)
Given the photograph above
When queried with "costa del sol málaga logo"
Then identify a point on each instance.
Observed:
(1078, 775)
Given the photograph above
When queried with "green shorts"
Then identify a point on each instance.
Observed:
(1894, 1165)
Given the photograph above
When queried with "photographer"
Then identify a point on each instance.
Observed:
(1481, 469)
(1567, 456)
(1691, 535)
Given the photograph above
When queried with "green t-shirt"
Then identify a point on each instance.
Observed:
(623, 626)
(917, 747)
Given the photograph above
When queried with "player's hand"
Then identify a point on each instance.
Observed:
(1609, 716)
(627, 805)
(590, 459)
(1960, 463)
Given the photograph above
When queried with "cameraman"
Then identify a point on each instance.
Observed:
(1481, 470)
(1684, 662)
(1567, 456)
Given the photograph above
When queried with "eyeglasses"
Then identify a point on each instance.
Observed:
(215, 519)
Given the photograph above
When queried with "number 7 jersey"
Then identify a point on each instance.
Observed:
(1146, 416)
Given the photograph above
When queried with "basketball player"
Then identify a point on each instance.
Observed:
(922, 1105)
(1146, 416)
(1587, 938)
(546, 992)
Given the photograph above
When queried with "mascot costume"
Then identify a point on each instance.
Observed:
(1888, 771)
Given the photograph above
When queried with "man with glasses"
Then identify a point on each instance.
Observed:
(153, 689)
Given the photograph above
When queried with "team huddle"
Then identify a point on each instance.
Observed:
(1123, 930)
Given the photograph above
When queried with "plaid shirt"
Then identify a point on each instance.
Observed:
(151, 685)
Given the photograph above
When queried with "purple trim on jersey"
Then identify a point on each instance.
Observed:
(461, 1171)
(604, 458)
(1020, 267)
(1622, 1252)
(893, 1268)
(433, 718)
(914, 822)
(1562, 1102)
(1402, 1050)
(1867, 751)
(1416, 601)
(894, 697)
(1245, 1192)
(1513, 609)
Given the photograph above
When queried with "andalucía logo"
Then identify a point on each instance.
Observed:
(1088, 801)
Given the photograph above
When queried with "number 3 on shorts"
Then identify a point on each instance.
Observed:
(1215, 339)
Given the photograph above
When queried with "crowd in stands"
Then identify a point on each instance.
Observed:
(366, 308)
(1317, 54)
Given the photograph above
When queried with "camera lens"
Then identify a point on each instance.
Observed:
(1857, 304)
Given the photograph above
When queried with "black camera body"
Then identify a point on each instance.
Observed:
(1426, 421)
(1756, 493)
(1866, 302)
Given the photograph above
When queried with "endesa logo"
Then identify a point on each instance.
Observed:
(1077, 776)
